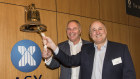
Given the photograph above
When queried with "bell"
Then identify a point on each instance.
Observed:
(32, 19)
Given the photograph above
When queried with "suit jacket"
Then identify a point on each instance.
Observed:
(65, 70)
(85, 58)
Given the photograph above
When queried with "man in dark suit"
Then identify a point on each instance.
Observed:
(71, 46)
(102, 59)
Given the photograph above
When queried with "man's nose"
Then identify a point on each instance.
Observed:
(97, 32)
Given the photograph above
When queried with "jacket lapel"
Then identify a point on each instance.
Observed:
(67, 48)
(106, 60)
(91, 58)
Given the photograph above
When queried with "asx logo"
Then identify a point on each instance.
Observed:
(26, 55)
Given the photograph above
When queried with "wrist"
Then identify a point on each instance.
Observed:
(48, 58)
(54, 47)
(48, 61)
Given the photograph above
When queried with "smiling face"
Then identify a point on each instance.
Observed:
(73, 32)
(98, 32)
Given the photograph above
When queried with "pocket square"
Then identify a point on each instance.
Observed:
(117, 61)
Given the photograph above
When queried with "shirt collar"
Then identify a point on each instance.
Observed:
(104, 46)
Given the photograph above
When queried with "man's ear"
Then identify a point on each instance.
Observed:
(90, 34)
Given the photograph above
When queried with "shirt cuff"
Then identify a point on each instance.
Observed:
(56, 51)
(48, 62)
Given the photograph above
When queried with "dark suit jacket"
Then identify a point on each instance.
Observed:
(85, 58)
(65, 71)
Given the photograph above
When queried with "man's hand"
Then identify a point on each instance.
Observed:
(46, 54)
(48, 41)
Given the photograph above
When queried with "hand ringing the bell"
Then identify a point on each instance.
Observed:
(48, 41)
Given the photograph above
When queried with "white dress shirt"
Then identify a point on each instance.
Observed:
(74, 49)
(98, 61)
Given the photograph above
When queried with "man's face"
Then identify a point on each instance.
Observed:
(73, 31)
(98, 32)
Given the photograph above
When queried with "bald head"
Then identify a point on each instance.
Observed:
(98, 23)
(98, 32)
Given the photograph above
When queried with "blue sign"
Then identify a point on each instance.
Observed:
(26, 55)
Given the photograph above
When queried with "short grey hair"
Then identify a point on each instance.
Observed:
(76, 21)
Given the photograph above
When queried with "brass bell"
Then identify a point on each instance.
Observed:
(32, 20)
